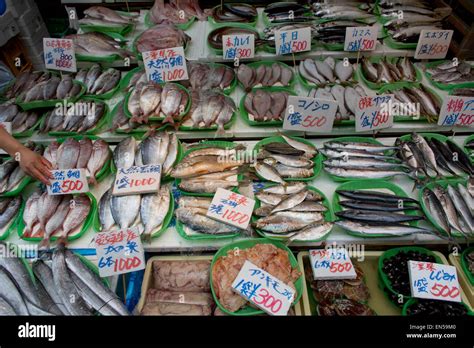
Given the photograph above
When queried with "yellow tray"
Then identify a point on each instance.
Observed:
(466, 286)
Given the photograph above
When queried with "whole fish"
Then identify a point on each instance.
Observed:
(124, 153)
(448, 207)
(422, 144)
(291, 201)
(99, 157)
(44, 274)
(355, 162)
(391, 229)
(376, 206)
(312, 232)
(85, 152)
(368, 147)
(172, 154)
(462, 209)
(376, 217)
(268, 173)
(290, 188)
(80, 207)
(11, 294)
(363, 172)
(153, 210)
(194, 202)
(197, 220)
(105, 211)
(375, 196)
(125, 209)
(55, 222)
(68, 154)
(202, 165)
(468, 197)
(6, 309)
(436, 210)
(284, 222)
(10, 212)
(47, 206)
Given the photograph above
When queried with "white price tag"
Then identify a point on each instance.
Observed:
(457, 111)
(231, 208)
(68, 181)
(59, 54)
(332, 263)
(309, 114)
(239, 46)
(264, 290)
(360, 39)
(137, 180)
(433, 44)
(374, 113)
(165, 65)
(292, 41)
(434, 281)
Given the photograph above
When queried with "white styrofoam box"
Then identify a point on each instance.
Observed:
(31, 22)
(19, 7)
(8, 27)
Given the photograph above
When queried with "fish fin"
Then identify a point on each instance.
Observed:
(92, 180)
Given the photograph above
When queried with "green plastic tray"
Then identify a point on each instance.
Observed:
(182, 26)
(385, 282)
(255, 65)
(309, 85)
(318, 160)
(370, 184)
(447, 86)
(129, 75)
(464, 265)
(227, 126)
(215, 24)
(412, 301)
(106, 96)
(220, 52)
(122, 30)
(245, 115)
(246, 244)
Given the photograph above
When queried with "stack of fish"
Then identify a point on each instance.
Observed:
(431, 157)
(160, 36)
(80, 117)
(153, 100)
(138, 77)
(284, 12)
(292, 211)
(97, 81)
(206, 169)
(147, 211)
(156, 148)
(207, 76)
(361, 160)
(21, 121)
(105, 17)
(91, 155)
(325, 71)
(266, 105)
(349, 11)
(451, 206)
(374, 212)
(214, 38)
(386, 72)
(97, 45)
(192, 214)
(264, 75)
(292, 159)
(235, 13)
(11, 174)
(210, 108)
(175, 11)
(47, 87)
(347, 98)
(9, 207)
(46, 215)
(452, 72)
(334, 31)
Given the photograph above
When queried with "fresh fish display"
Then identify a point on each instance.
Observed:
(97, 45)
(235, 13)
(9, 208)
(24, 82)
(334, 31)
(270, 258)
(287, 12)
(21, 121)
(103, 16)
(209, 109)
(346, 97)
(451, 72)
(97, 81)
(80, 117)
(321, 72)
(276, 74)
(168, 101)
(177, 12)
(162, 35)
(350, 11)
(264, 106)
(204, 76)
(386, 72)
(214, 38)
(44, 86)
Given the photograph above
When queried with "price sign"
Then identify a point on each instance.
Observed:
(434, 281)
(332, 263)
(360, 39)
(164, 65)
(59, 54)
(239, 46)
(433, 44)
(293, 41)
(68, 181)
(264, 290)
(308, 114)
(374, 113)
(231, 208)
(119, 252)
(457, 111)
(137, 180)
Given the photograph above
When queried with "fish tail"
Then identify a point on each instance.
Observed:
(62, 240)
(220, 130)
(92, 180)
(146, 237)
(44, 244)
(169, 119)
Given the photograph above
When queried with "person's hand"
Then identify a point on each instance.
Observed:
(35, 165)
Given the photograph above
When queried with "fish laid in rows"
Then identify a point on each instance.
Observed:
(47, 87)
(98, 81)
(209, 108)
(264, 106)
(21, 121)
(97, 45)
(79, 117)
(386, 72)
(334, 31)
(160, 36)
(348, 12)
(235, 13)
(11, 174)
(9, 207)
(103, 16)
(215, 36)
(207, 76)
(276, 74)
(451, 72)
(285, 12)
(154, 100)
(87, 154)
(325, 71)
(178, 12)
(347, 98)
(291, 159)
(25, 81)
